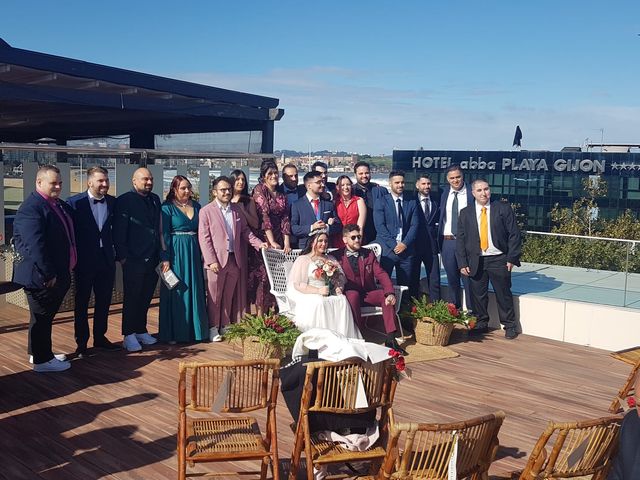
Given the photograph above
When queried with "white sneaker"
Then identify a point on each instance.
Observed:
(53, 365)
(214, 335)
(131, 344)
(146, 339)
(58, 356)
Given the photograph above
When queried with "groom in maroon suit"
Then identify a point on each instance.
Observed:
(367, 283)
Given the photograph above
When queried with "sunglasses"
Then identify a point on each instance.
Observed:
(355, 237)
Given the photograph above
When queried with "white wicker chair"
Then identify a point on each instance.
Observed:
(278, 266)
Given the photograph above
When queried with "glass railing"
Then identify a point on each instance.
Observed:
(580, 268)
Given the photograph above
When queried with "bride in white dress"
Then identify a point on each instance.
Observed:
(310, 299)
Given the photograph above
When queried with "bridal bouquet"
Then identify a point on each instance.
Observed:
(327, 270)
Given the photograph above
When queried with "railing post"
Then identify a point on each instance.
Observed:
(626, 275)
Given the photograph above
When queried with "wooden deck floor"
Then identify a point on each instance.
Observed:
(114, 415)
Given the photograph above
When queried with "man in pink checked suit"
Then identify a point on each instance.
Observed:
(223, 235)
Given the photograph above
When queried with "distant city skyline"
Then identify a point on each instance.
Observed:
(455, 75)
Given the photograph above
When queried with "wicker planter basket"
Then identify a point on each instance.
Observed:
(253, 349)
(430, 332)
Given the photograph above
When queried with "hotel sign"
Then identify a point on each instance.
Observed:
(523, 161)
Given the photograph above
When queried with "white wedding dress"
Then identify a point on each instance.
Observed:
(312, 310)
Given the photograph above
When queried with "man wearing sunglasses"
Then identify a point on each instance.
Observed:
(626, 465)
(367, 283)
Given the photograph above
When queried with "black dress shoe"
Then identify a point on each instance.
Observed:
(81, 351)
(511, 334)
(396, 346)
(479, 330)
(106, 344)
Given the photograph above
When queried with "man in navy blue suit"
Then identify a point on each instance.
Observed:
(455, 197)
(396, 219)
(92, 220)
(311, 213)
(427, 244)
(43, 235)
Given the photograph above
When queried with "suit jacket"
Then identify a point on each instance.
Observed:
(371, 193)
(372, 276)
(626, 464)
(300, 192)
(214, 240)
(443, 208)
(41, 239)
(386, 222)
(136, 228)
(428, 227)
(505, 235)
(303, 216)
(88, 234)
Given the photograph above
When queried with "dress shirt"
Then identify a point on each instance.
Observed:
(352, 257)
(311, 200)
(227, 214)
(492, 250)
(462, 202)
(99, 211)
(426, 206)
(395, 205)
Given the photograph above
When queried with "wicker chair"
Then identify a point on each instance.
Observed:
(247, 386)
(576, 449)
(619, 403)
(278, 266)
(429, 449)
(332, 388)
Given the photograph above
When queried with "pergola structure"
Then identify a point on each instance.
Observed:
(46, 96)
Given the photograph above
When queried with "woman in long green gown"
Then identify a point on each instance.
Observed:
(183, 314)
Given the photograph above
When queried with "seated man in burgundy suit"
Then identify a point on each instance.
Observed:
(367, 283)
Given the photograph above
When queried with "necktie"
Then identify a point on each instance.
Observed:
(95, 200)
(427, 208)
(316, 208)
(400, 214)
(454, 214)
(484, 230)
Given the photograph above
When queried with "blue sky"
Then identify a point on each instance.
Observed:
(372, 76)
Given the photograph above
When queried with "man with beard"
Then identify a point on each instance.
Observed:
(370, 192)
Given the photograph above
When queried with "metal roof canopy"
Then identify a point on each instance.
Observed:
(45, 95)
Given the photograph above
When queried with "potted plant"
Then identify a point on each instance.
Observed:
(269, 335)
(436, 320)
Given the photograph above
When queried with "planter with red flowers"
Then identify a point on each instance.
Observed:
(264, 336)
(435, 321)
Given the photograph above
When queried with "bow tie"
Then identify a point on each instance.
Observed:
(95, 200)
(352, 254)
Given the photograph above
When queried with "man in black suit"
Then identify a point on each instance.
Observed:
(329, 188)
(427, 244)
(136, 235)
(43, 235)
(488, 245)
(370, 192)
(626, 464)
(311, 213)
(455, 196)
(92, 221)
(289, 186)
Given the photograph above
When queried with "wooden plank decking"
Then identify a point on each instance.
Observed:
(114, 416)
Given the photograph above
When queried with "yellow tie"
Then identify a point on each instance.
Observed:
(484, 230)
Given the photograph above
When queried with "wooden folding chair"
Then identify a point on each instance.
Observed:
(430, 449)
(228, 387)
(333, 388)
(619, 403)
(576, 449)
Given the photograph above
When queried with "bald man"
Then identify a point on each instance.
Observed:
(136, 237)
(626, 465)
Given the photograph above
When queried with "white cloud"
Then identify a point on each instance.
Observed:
(341, 109)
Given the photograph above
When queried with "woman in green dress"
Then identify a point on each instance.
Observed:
(183, 314)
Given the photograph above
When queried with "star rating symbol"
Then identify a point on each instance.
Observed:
(615, 166)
